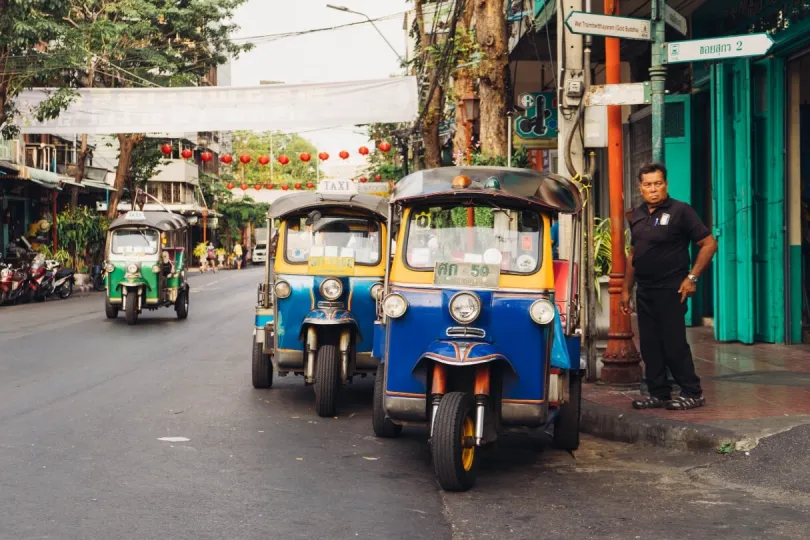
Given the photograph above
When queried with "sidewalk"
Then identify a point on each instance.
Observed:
(752, 391)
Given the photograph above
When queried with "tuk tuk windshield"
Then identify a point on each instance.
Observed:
(506, 237)
(333, 235)
(134, 242)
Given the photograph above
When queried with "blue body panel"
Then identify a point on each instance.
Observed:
(302, 304)
(379, 340)
(263, 320)
(509, 330)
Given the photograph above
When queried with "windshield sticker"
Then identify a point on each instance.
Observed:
(420, 256)
(493, 256)
(316, 251)
(473, 258)
(526, 242)
(526, 263)
(423, 220)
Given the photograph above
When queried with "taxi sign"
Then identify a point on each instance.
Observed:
(135, 215)
(334, 186)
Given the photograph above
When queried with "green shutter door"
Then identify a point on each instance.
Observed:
(678, 152)
(767, 197)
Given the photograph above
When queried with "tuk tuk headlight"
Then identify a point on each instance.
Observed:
(542, 311)
(282, 289)
(395, 305)
(465, 307)
(376, 291)
(132, 268)
(109, 267)
(156, 268)
(331, 289)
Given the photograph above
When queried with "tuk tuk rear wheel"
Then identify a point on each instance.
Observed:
(262, 367)
(131, 308)
(110, 310)
(326, 380)
(455, 459)
(181, 304)
(566, 425)
(383, 426)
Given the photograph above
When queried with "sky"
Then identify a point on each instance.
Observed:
(354, 53)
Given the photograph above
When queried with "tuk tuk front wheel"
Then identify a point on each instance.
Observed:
(326, 380)
(131, 308)
(110, 310)
(455, 459)
(262, 367)
(181, 304)
(383, 426)
(566, 425)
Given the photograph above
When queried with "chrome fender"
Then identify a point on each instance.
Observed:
(463, 353)
(327, 316)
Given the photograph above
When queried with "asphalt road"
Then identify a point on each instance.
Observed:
(84, 402)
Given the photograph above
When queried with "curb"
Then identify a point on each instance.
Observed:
(632, 427)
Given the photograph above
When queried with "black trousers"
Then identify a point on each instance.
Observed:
(662, 333)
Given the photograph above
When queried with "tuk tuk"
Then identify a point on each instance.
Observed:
(146, 264)
(317, 306)
(471, 336)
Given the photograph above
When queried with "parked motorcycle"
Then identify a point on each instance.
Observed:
(62, 280)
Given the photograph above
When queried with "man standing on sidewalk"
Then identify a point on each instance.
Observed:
(662, 229)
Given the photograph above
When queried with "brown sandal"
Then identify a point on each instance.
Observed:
(650, 403)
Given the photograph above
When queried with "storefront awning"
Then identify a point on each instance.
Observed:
(44, 178)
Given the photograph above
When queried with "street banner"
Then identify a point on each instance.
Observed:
(284, 107)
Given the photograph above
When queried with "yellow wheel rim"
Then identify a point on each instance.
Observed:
(467, 454)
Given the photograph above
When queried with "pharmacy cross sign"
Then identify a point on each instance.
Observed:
(719, 48)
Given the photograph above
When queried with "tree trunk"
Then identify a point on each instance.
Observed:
(435, 104)
(463, 85)
(492, 38)
(81, 167)
(126, 143)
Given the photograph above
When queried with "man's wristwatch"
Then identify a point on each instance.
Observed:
(693, 278)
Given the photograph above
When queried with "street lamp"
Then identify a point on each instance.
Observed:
(347, 10)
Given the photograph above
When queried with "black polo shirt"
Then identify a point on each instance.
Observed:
(661, 241)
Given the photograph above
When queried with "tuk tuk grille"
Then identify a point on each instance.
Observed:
(463, 331)
(326, 305)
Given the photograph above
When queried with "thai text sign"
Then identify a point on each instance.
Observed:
(594, 24)
(719, 48)
(477, 275)
(331, 266)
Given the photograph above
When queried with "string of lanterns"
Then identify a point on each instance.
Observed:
(263, 160)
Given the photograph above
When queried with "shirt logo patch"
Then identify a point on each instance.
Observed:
(664, 219)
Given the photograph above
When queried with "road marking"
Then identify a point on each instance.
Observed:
(173, 439)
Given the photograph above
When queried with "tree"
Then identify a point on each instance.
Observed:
(434, 94)
(463, 76)
(492, 37)
(133, 43)
(26, 26)
(258, 144)
(388, 165)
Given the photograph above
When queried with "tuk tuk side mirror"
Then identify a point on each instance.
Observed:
(313, 217)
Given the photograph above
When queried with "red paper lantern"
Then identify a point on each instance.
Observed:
(166, 149)
(378, 178)
(244, 158)
(268, 186)
(310, 185)
(186, 153)
(226, 159)
(285, 187)
(244, 186)
(363, 179)
(230, 185)
(363, 151)
(305, 157)
(283, 159)
(297, 185)
(257, 186)
(385, 146)
(323, 156)
(344, 154)
(206, 156)
(263, 160)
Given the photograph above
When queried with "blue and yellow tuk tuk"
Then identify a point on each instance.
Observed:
(317, 307)
(471, 339)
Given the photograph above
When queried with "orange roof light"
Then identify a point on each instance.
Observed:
(461, 182)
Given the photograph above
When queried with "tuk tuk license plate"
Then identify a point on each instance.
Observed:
(331, 266)
(480, 275)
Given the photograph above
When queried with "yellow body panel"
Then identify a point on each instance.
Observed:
(542, 279)
(302, 269)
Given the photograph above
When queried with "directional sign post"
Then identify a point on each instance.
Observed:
(721, 48)
(600, 95)
(594, 24)
(676, 20)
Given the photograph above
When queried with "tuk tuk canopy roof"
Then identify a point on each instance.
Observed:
(538, 189)
(163, 221)
(296, 202)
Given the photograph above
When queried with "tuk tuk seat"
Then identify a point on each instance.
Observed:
(562, 295)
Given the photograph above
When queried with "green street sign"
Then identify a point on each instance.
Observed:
(720, 48)
(539, 121)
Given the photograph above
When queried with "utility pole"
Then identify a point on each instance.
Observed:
(571, 89)
(621, 359)
(658, 78)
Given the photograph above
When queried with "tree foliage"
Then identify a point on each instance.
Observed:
(259, 144)
(237, 214)
(82, 231)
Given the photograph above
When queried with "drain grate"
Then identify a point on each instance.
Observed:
(800, 379)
